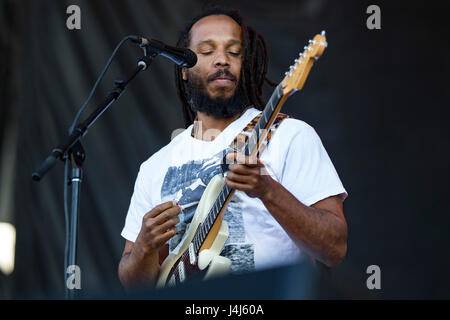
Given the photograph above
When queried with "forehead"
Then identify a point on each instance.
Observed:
(216, 28)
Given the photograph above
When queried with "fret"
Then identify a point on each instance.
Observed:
(204, 232)
(210, 220)
(212, 215)
(263, 122)
(216, 208)
(200, 236)
(195, 242)
(197, 239)
(221, 200)
(270, 107)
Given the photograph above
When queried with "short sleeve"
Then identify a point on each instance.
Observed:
(140, 204)
(308, 172)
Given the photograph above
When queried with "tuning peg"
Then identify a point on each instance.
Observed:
(297, 60)
(312, 41)
(293, 67)
(322, 33)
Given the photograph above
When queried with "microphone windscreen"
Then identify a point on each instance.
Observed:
(191, 58)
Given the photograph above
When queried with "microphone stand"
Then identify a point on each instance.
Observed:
(77, 156)
(72, 148)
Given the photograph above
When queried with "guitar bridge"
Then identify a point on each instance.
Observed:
(181, 271)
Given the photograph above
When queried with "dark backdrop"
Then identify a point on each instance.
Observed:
(377, 99)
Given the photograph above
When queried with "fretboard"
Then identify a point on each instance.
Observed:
(265, 121)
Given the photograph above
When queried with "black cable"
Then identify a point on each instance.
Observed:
(72, 127)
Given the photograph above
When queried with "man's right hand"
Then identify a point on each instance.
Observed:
(139, 265)
(158, 226)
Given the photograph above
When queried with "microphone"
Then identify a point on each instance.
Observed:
(183, 57)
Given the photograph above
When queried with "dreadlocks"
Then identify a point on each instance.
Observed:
(254, 64)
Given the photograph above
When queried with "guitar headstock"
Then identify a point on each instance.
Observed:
(298, 72)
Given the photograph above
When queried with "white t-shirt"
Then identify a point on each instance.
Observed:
(181, 170)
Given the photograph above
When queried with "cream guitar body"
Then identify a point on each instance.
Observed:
(184, 261)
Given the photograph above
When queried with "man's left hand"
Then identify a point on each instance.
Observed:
(248, 174)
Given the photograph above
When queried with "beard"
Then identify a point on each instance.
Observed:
(219, 108)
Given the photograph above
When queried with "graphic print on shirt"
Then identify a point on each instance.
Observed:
(186, 184)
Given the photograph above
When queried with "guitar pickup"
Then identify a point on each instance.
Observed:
(192, 257)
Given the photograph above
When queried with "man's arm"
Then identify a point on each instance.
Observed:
(139, 265)
(320, 230)
(137, 268)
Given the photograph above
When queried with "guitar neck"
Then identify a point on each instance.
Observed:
(266, 120)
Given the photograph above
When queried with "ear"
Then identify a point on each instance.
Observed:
(183, 73)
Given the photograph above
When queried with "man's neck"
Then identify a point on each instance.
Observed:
(208, 128)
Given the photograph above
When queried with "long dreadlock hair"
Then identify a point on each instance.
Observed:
(254, 64)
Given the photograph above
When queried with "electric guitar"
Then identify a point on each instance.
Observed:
(198, 253)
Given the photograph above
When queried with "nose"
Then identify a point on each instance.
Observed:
(221, 59)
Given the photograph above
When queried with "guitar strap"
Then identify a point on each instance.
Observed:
(238, 143)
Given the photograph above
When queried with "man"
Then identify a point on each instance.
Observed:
(283, 217)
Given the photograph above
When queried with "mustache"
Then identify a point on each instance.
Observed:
(221, 73)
